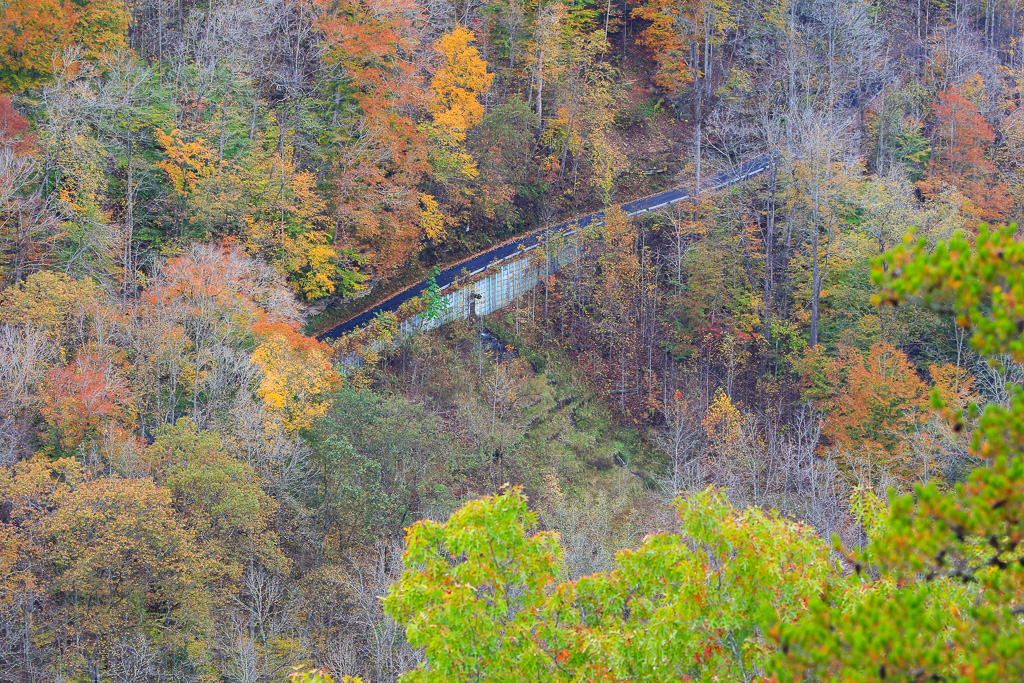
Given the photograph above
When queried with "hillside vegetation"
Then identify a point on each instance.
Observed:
(770, 434)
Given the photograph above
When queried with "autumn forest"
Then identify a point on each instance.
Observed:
(773, 432)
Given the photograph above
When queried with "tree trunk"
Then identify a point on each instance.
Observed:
(540, 88)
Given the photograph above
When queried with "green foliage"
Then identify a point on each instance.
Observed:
(913, 149)
(937, 595)
(981, 283)
(436, 303)
(479, 596)
(218, 497)
(476, 587)
(376, 457)
(642, 112)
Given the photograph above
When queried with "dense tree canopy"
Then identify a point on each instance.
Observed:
(935, 594)
(767, 433)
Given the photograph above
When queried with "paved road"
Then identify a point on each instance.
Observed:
(732, 176)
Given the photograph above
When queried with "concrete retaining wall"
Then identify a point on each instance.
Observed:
(499, 285)
(488, 289)
(502, 282)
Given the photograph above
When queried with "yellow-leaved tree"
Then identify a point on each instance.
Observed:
(455, 106)
(277, 213)
(723, 424)
(109, 556)
(185, 162)
(297, 377)
(289, 222)
(432, 218)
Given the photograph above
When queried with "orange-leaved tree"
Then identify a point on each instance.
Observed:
(682, 36)
(34, 34)
(962, 139)
(186, 162)
(874, 402)
(81, 397)
(194, 323)
(382, 156)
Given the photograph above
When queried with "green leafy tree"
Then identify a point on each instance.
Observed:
(216, 497)
(476, 592)
(945, 590)
(481, 596)
(376, 460)
(936, 593)
(435, 301)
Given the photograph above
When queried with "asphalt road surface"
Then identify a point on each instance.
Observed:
(732, 176)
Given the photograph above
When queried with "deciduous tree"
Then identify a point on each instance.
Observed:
(668, 610)
(943, 596)
(33, 34)
(963, 138)
(457, 86)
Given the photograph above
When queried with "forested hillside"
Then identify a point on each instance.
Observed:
(769, 434)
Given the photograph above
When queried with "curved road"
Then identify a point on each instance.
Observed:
(732, 176)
